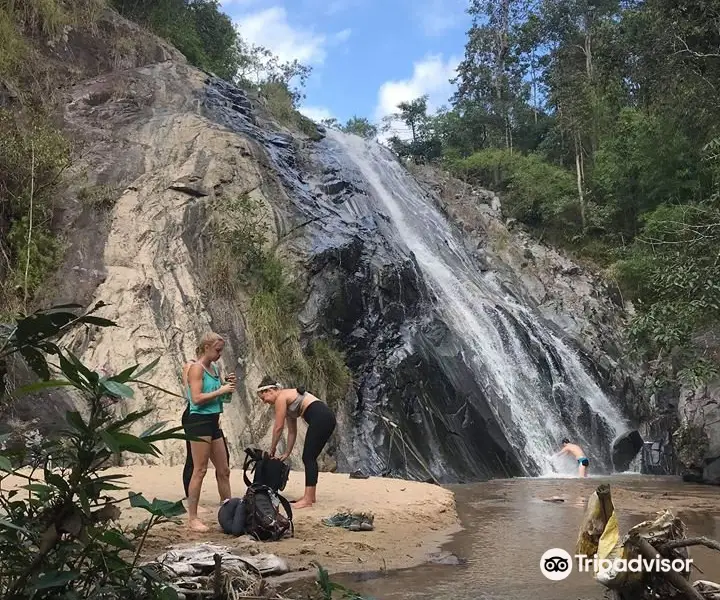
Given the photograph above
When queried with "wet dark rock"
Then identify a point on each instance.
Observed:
(571, 271)
(711, 472)
(445, 558)
(281, 140)
(335, 186)
(625, 449)
(190, 186)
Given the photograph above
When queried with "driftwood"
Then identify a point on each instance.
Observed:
(675, 579)
(211, 572)
(696, 541)
(664, 536)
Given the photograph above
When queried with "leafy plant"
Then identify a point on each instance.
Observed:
(33, 156)
(328, 587)
(58, 532)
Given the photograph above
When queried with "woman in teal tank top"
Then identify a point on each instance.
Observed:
(206, 394)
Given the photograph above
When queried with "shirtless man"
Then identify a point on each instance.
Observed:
(578, 453)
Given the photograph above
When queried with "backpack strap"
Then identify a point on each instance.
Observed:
(252, 456)
(288, 510)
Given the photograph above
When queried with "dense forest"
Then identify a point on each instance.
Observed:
(599, 122)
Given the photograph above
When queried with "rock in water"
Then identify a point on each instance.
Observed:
(625, 449)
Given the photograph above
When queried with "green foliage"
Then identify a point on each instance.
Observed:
(641, 162)
(199, 29)
(49, 17)
(33, 156)
(281, 103)
(242, 261)
(360, 126)
(59, 538)
(534, 191)
(13, 49)
(329, 587)
(676, 275)
(100, 197)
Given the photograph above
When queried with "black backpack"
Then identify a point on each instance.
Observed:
(231, 516)
(271, 472)
(263, 519)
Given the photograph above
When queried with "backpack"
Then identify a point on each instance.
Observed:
(231, 516)
(271, 472)
(263, 519)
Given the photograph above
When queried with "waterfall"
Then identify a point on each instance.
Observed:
(538, 389)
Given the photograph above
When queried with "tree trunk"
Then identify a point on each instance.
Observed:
(502, 35)
(534, 87)
(588, 50)
(580, 179)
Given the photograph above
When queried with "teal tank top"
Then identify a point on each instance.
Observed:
(210, 383)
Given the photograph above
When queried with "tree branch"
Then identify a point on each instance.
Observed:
(672, 577)
(30, 224)
(692, 52)
(696, 541)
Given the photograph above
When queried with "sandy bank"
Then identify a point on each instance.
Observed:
(411, 519)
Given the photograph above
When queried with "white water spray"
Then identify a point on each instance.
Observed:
(482, 314)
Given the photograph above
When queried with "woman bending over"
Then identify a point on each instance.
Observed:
(289, 405)
(206, 394)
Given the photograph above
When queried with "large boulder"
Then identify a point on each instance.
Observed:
(625, 448)
(698, 438)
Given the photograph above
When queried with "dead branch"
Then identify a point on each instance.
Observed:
(217, 579)
(674, 578)
(695, 541)
(687, 50)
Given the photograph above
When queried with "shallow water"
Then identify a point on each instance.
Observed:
(508, 526)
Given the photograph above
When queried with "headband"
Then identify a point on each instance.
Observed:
(268, 387)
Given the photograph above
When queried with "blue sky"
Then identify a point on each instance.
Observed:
(367, 55)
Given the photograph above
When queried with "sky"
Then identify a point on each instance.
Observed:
(366, 55)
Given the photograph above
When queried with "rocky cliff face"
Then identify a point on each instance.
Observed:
(163, 143)
(680, 425)
(577, 301)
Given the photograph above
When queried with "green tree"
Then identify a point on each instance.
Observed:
(360, 126)
(490, 77)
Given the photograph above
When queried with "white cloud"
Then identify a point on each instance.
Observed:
(437, 17)
(231, 3)
(316, 113)
(270, 28)
(332, 7)
(430, 76)
(341, 36)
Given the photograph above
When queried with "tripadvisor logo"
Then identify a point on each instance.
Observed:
(556, 564)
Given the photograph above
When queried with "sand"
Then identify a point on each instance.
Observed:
(412, 519)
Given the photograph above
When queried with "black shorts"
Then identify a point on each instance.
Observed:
(203, 426)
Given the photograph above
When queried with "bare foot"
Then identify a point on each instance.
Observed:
(302, 503)
(198, 525)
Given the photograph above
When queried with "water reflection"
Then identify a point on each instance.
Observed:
(508, 526)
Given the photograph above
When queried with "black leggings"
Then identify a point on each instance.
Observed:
(188, 468)
(321, 424)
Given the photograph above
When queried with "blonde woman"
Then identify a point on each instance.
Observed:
(206, 395)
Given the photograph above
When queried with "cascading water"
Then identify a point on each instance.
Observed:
(539, 390)
(473, 382)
